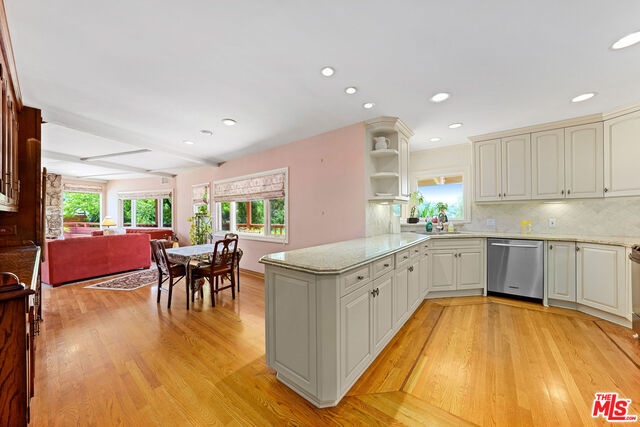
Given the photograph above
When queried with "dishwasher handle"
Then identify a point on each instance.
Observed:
(513, 245)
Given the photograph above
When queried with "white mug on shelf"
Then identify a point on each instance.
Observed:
(382, 142)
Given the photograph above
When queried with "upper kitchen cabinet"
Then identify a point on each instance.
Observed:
(622, 155)
(548, 164)
(503, 169)
(488, 170)
(584, 158)
(387, 160)
(516, 167)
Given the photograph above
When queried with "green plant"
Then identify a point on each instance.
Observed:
(428, 210)
(201, 225)
(87, 204)
(416, 199)
(442, 207)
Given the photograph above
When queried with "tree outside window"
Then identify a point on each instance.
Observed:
(81, 205)
(126, 213)
(276, 207)
(442, 189)
(146, 213)
(166, 213)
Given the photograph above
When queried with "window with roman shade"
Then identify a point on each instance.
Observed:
(146, 209)
(255, 205)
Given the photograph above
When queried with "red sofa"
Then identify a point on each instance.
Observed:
(79, 258)
(154, 233)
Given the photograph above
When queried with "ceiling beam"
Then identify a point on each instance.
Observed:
(104, 130)
(69, 158)
(122, 153)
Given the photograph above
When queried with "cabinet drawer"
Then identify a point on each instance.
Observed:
(415, 251)
(402, 257)
(352, 280)
(456, 243)
(383, 266)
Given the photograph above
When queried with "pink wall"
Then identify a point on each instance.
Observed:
(326, 190)
(114, 187)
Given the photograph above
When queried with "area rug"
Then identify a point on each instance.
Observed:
(129, 282)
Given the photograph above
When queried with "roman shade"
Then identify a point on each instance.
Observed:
(200, 194)
(150, 194)
(81, 188)
(268, 185)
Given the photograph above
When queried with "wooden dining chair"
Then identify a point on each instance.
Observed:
(235, 236)
(167, 270)
(222, 265)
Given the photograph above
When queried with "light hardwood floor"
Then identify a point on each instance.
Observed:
(118, 358)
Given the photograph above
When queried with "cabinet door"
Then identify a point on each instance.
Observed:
(547, 164)
(424, 275)
(561, 271)
(622, 155)
(469, 269)
(442, 270)
(383, 321)
(356, 334)
(584, 161)
(400, 295)
(516, 167)
(487, 169)
(403, 151)
(413, 293)
(601, 280)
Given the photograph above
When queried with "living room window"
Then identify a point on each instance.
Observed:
(254, 206)
(146, 209)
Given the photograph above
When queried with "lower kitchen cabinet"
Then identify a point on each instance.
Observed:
(561, 271)
(442, 270)
(424, 274)
(458, 268)
(383, 321)
(400, 295)
(469, 268)
(414, 295)
(357, 311)
(601, 278)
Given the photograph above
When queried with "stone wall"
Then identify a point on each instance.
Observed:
(53, 207)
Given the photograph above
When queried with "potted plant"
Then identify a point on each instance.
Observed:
(415, 200)
(442, 212)
(201, 223)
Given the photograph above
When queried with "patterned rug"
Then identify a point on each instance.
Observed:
(129, 282)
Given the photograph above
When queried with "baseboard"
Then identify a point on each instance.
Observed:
(252, 273)
(457, 293)
(619, 320)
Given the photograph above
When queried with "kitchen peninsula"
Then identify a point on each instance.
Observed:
(331, 309)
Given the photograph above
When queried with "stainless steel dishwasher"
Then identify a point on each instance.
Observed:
(515, 267)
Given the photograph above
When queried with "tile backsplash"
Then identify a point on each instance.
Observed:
(615, 216)
(380, 220)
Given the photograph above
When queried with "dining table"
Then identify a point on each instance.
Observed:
(190, 255)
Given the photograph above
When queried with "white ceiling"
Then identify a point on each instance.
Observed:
(153, 73)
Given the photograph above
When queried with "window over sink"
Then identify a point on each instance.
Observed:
(447, 186)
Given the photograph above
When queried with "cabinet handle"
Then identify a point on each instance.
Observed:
(373, 293)
(455, 255)
(405, 257)
(377, 291)
(606, 189)
(577, 248)
(416, 250)
(360, 277)
(562, 192)
(411, 268)
(568, 192)
(550, 247)
(386, 265)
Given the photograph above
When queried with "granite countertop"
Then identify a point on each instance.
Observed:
(335, 258)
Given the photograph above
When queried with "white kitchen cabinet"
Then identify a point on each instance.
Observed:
(488, 170)
(561, 271)
(622, 155)
(548, 164)
(413, 294)
(601, 277)
(584, 161)
(383, 321)
(516, 167)
(424, 274)
(442, 270)
(403, 152)
(400, 295)
(356, 334)
(469, 268)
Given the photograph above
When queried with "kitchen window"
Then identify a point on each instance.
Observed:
(254, 206)
(447, 186)
(146, 209)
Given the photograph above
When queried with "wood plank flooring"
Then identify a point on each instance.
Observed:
(118, 358)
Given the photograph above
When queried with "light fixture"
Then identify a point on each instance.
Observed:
(434, 139)
(350, 90)
(206, 132)
(188, 142)
(583, 97)
(626, 41)
(439, 97)
(228, 122)
(327, 71)
(455, 125)
(368, 105)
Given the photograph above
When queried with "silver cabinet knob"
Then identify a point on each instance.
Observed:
(606, 189)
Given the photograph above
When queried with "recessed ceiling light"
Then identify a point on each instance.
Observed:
(435, 139)
(350, 90)
(455, 125)
(626, 41)
(229, 122)
(368, 105)
(188, 142)
(328, 71)
(583, 97)
(206, 132)
(439, 97)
